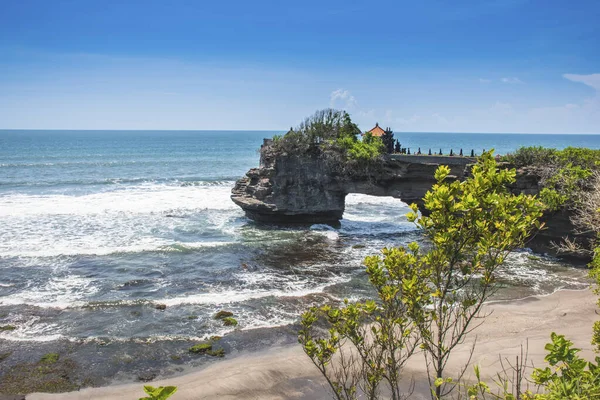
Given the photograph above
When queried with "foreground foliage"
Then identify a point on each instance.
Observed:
(567, 376)
(159, 393)
(429, 298)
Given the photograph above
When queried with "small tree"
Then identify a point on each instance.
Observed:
(388, 141)
(472, 226)
(437, 294)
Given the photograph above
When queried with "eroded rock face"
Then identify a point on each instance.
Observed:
(557, 224)
(307, 189)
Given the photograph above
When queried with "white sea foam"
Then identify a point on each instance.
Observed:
(135, 219)
(141, 199)
(58, 292)
(354, 199)
(325, 230)
(373, 215)
(295, 287)
(33, 330)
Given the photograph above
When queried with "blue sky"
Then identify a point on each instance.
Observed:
(460, 66)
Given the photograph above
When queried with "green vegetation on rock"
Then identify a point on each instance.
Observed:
(50, 358)
(42, 376)
(207, 348)
(216, 353)
(229, 321)
(201, 348)
(7, 328)
(541, 156)
(159, 393)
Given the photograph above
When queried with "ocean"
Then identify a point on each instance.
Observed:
(97, 228)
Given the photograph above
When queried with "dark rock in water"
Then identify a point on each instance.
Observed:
(223, 314)
(216, 353)
(12, 397)
(147, 376)
(161, 306)
(43, 376)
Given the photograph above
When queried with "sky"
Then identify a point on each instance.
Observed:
(514, 66)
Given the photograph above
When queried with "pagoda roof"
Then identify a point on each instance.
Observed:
(377, 131)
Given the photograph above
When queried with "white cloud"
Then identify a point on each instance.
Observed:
(592, 80)
(413, 119)
(342, 98)
(502, 108)
(482, 80)
(511, 80)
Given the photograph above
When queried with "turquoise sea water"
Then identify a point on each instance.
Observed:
(97, 228)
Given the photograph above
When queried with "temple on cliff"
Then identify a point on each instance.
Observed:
(378, 131)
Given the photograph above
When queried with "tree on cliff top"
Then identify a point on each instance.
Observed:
(324, 125)
(330, 133)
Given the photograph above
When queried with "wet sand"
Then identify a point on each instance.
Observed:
(286, 373)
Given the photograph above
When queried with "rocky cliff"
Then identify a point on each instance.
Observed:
(291, 188)
(307, 189)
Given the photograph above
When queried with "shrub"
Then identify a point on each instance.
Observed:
(535, 155)
(159, 393)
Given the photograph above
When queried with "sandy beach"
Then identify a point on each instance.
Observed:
(286, 373)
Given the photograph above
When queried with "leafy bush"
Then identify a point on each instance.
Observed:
(159, 393)
(571, 376)
(368, 149)
(564, 172)
(535, 155)
(541, 156)
(563, 185)
(578, 156)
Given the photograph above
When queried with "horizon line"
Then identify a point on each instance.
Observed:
(276, 130)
